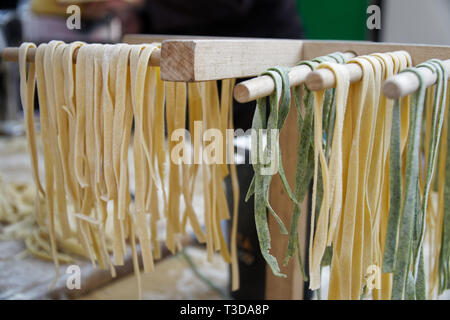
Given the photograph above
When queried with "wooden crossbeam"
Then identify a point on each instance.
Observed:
(215, 58)
(190, 59)
(419, 52)
(201, 60)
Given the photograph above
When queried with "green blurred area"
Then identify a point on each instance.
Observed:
(334, 19)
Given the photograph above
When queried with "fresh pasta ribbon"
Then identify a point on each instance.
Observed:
(27, 91)
(92, 113)
(379, 168)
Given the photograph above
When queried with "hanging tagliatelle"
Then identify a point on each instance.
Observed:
(379, 167)
(376, 191)
(267, 161)
(409, 268)
(375, 202)
(88, 110)
(356, 227)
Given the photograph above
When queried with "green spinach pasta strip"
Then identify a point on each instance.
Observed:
(403, 262)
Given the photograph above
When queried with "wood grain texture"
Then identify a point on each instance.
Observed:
(213, 59)
(419, 52)
(201, 60)
(178, 60)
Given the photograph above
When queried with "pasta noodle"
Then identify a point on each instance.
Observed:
(375, 203)
(379, 168)
(92, 112)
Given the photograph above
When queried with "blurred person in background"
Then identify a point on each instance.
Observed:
(237, 18)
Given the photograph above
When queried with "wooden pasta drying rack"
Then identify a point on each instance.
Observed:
(187, 59)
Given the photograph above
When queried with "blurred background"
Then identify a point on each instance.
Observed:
(187, 275)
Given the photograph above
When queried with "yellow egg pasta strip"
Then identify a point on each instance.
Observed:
(109, 64)
(205, 177)
(134, 255)
(142, 150)
(159, 134)
(190, 170)
(173, 197)
(152, 201)
(334, 195)
(380, 215)
(81, 172)
(124, 197)
(138, 66)
(222, 206)
(155, 215)
(178, 122)
(190, 211)
(80, 83)
(148, 114)
(69, 106)
(124, 116)
(120, 61)
(235, 188)
(62, 147)
(27, 91)
(335, 162)
(99, 177)
(45, 51)
(386, 105)
(354, 228)
(366, 148)
(318, 240)
(90, 138)
(101, 94)
(140, 118)
(225, 98)
(94, 103)
(212, 101)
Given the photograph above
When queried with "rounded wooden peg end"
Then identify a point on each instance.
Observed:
(392, 89)
(314, 81)
(241, 93)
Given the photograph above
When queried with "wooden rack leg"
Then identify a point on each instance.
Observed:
(291, 287)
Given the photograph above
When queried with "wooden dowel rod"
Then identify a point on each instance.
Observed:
(12, 54)
(263, 86)
(406, 83)
(325, 79)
